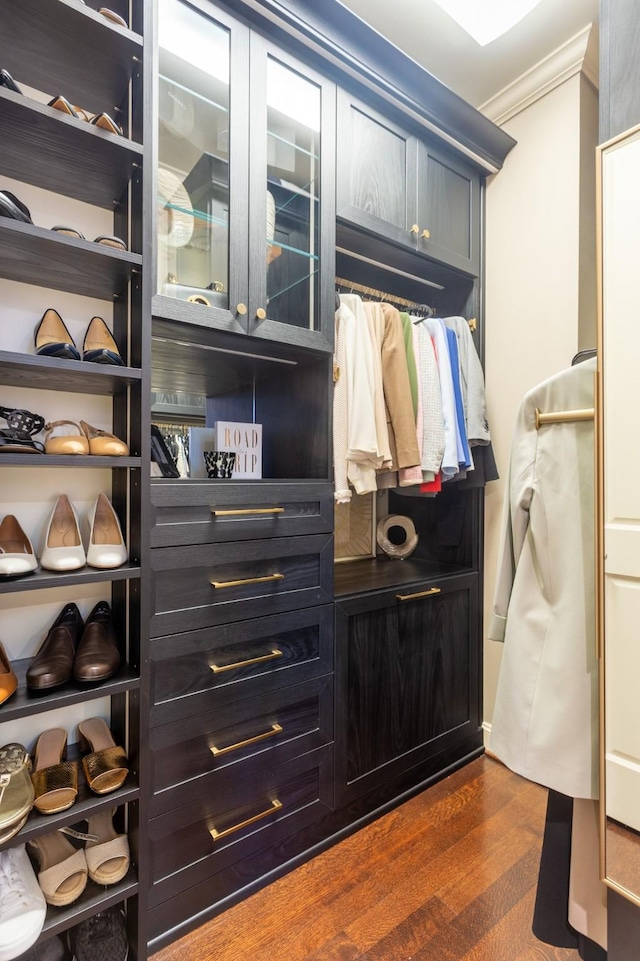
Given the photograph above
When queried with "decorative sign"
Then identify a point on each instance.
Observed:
(246, 441)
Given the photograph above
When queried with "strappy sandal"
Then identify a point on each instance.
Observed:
(55, 781)
(67, 443)
(105, 768)
(103, 443)
(17, 437)
(63, 868)
(108, 855)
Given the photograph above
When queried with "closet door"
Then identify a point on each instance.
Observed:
(376, 172)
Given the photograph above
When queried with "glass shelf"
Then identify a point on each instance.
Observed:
(290, 143)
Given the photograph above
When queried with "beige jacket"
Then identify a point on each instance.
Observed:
(401, 420)
(545, 722)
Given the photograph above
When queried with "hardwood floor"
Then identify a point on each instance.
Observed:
(448, 876)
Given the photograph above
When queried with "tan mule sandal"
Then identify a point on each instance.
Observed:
(63, 868)
(108, 856)
(106, 767)
(55, 781)
(101, 442)
(66, 443)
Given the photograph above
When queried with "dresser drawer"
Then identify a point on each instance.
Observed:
(217, 666)
(197, 755)
(222, 827)
(202, 512)
(210, 584)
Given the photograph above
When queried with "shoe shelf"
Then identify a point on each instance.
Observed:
(94, 58)
(66, 460)
(30, 254)
(93, 899)
(48, 373)
(41, 580)
(43, 146)
(25, 703)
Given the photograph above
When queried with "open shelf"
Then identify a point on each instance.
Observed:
(30, 254)
(384, 573)
(65, 47)
(66, 460)
(43, 580)
(25, 703)
(94, 898)
(45, 147)
(77, 377)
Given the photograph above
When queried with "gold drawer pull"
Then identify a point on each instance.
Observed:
(247, 510)
(248, 580)
(252, 660)
(413, 597)
(217, 751)
(218, 835)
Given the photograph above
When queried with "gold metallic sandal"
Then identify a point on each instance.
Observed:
(105, 768)
(55, 782)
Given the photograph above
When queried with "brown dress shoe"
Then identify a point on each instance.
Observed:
(53, 664)
(8, 680)
(97, 657)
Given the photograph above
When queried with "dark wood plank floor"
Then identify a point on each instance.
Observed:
(448, 876)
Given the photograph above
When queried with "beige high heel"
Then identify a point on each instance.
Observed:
(66, 443)
(101, 442)
(106, 548)
(99, 346)
(63, 549)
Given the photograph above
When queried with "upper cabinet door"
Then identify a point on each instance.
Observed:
(392, 184)
(201, 167)
(292, 210)
(448, 209)
(376, 172)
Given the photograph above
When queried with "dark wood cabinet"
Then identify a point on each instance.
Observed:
(406, 188)
(407, 670)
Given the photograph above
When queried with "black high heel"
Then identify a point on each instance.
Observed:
(6, 80)
(52, 339)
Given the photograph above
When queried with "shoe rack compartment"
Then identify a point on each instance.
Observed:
(40, 579)
(30, 254)
(46, 373)
(45, 147)
(24, 704)
(67, 48)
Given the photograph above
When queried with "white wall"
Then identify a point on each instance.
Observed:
(540, 258)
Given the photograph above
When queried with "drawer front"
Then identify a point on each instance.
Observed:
(198, 755)
(222, 827)
(198, 586)
(201, 512)
(217, 666)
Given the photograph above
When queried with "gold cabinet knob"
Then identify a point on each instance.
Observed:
(241, 309)
(415, 229)
(261, 313)
(426, 234)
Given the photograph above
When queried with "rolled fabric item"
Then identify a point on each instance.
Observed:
(407, 547)
(175, 212)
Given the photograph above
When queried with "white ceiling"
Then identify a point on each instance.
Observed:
(424, 31)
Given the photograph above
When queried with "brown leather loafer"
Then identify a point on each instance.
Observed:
(8, 680)
(97, 656)
(53, 664)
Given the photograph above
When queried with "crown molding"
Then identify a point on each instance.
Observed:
(577, 55)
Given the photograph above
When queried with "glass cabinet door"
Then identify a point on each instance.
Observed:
(195, 187)
(293, 111)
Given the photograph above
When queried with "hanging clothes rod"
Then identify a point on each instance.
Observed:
(388, 268)
(351, 285)
(563, 416)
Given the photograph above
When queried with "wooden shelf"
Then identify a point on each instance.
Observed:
(25, 703)
(66, 460)
(43, 146)
(30, 254)
(64, 47)
(94, 898)
(43, 580)
(76, 377)
(384, 573)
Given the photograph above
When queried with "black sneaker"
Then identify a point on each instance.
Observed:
(102, 937)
